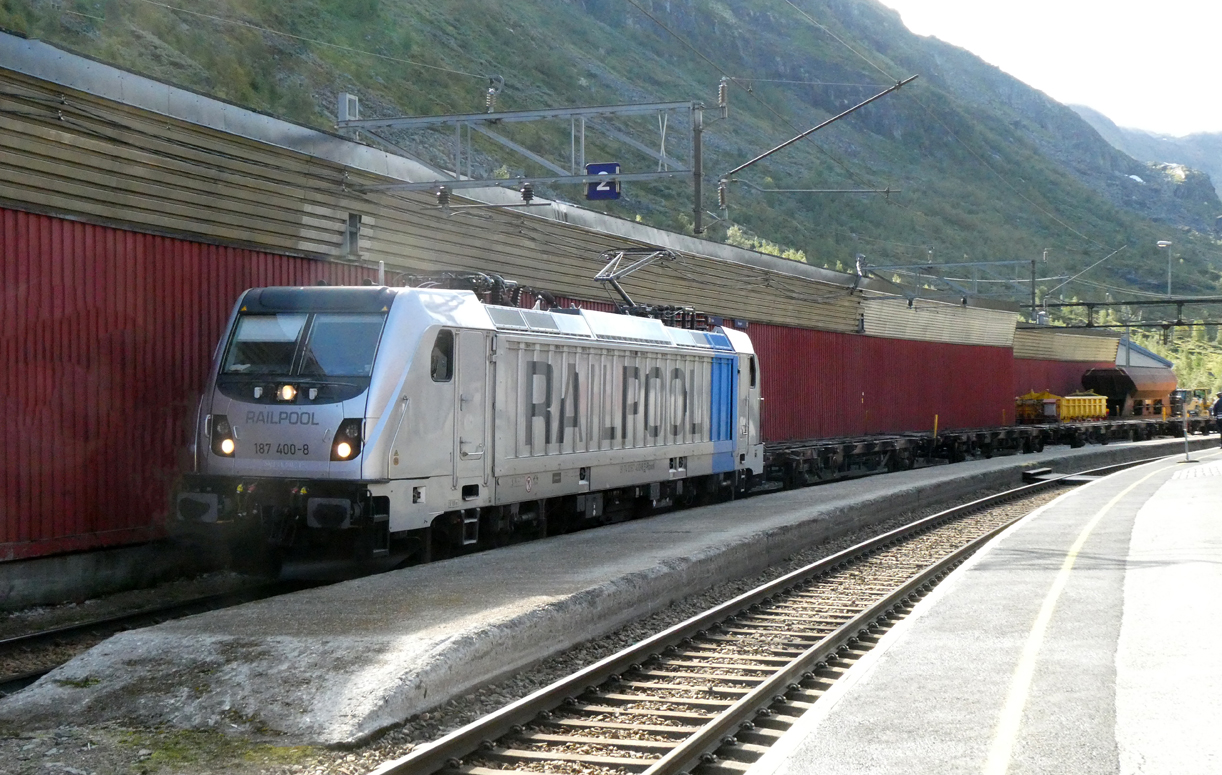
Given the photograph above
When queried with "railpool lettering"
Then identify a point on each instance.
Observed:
(555, 412)
(608, 431)
(542, 408)
(632, 373)
(676, 375)
(280, 417)
(570, 399)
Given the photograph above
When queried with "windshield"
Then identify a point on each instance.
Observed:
(264, 344)
(303, 344)
(341, 346)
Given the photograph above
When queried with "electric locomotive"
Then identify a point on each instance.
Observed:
(362, 416)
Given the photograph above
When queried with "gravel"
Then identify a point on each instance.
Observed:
(111, 749)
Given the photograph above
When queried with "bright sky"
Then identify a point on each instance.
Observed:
(1147, 64)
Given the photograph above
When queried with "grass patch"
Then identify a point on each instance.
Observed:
(216, 751)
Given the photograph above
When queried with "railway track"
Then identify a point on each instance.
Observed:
(709, 695)
(54, 642)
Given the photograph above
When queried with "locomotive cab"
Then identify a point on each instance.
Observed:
(309, 405)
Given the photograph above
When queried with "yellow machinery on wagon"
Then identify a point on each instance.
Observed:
(1045, 407)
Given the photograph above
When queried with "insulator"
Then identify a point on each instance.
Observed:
(723, 96)
(527, 191)
(443, 196)
(495, 84)
(721, 194)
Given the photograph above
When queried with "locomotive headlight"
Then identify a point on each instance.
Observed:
(287, 393)
(347, 441)
(222, 436)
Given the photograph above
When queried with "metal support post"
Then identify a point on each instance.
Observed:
(697, 170)
(1184, 413)
(1033, 283)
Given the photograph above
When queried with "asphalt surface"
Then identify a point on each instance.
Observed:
(1083, 640)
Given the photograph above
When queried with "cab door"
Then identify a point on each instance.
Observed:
(754, 404)
(471, 407)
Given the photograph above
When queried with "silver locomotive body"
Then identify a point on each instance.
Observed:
(372, 413)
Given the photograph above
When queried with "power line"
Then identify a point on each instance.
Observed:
(866, 59)
(749, 92)
(836, 38)
(1106, 287)
(249, 25)
(1003, 178)
(808, 83)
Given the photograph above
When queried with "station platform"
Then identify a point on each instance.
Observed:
(1084, 639)
(336, 664)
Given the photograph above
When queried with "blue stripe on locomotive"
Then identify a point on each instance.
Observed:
(723, 414)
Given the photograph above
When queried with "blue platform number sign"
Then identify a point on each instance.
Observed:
(603, 189)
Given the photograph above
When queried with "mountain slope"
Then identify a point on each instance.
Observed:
(988, 168)
(1202, 151)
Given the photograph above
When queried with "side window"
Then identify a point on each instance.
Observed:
(752, 359)
(442, 360)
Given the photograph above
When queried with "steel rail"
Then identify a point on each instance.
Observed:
(119, 622)
(446, 751)
(18, 681)
(170, 610)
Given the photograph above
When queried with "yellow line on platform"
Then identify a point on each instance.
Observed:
(1001, 752)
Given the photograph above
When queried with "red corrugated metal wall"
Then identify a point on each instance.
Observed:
(819, 384)
(1058, 377)
(106, 339)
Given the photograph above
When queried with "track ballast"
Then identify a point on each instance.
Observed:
(714, 691)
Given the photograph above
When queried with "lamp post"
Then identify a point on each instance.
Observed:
(1166, 244)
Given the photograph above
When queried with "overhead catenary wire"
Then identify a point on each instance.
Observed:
(460, 72)
(1084, 271)
(1003, 179)
(819, 126)
(1118, 289)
